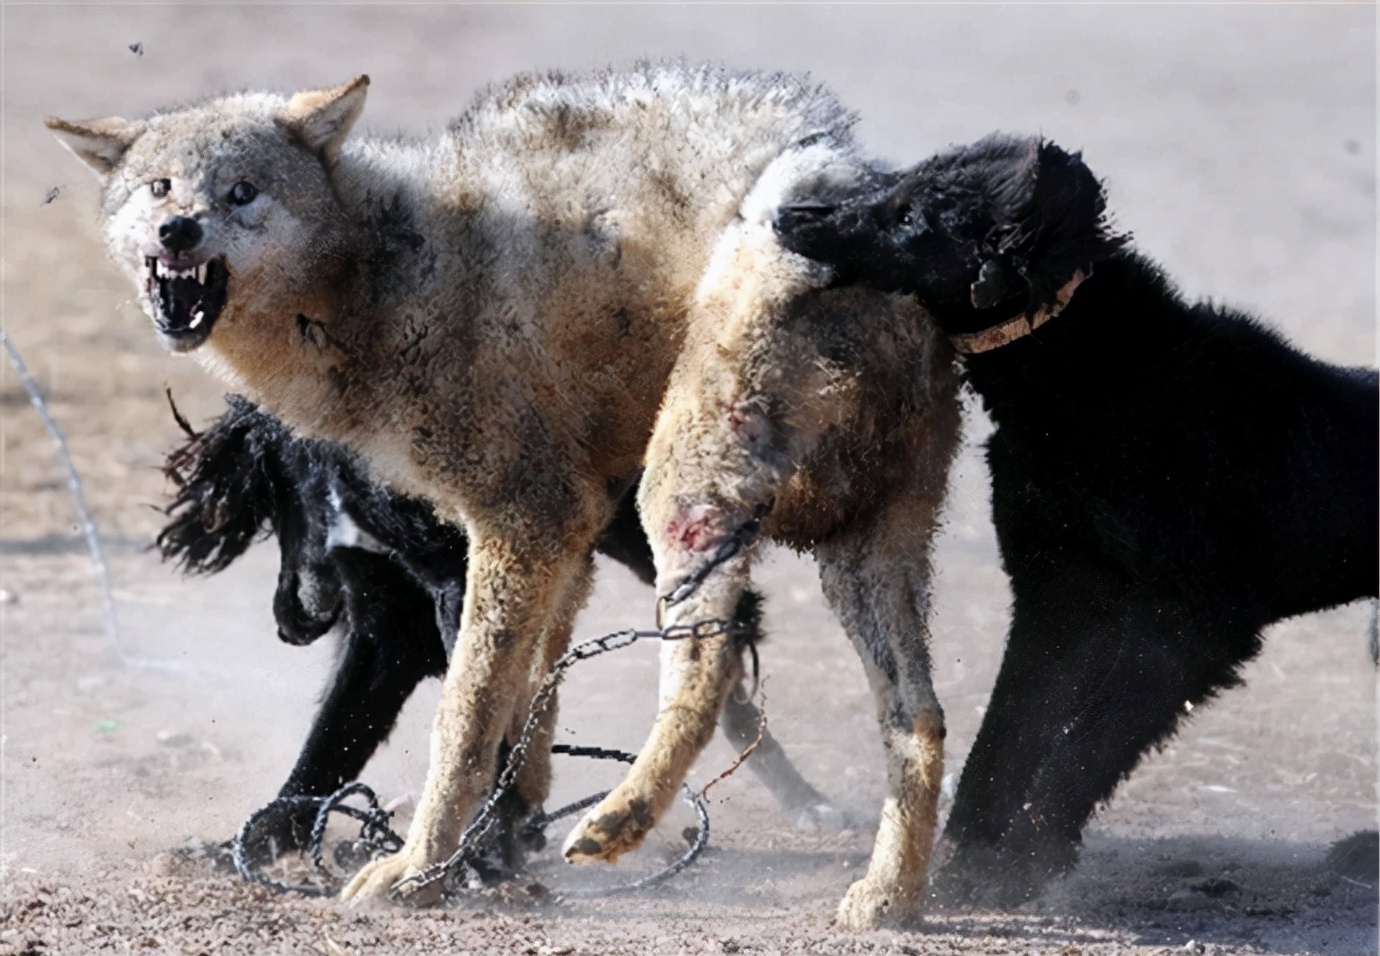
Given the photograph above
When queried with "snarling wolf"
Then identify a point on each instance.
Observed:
(384, 572)
(1167, 479)
(577, 278)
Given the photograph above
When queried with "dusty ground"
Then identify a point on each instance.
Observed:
(1239, 145)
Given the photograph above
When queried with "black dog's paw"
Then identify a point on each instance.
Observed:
(1001, 878)
(279, 833)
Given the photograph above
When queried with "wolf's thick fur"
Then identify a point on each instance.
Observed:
(499, 320)
(1168, 478)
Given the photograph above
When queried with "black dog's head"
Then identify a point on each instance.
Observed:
(241, 479)
(978, 233)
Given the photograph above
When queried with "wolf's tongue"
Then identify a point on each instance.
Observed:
(180, 297)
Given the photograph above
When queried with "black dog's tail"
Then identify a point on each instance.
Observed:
(226, 479)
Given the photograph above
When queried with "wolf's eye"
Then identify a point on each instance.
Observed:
(242, 194)
(160, 187)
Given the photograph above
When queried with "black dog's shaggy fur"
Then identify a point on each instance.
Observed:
(390, 574)
(1167, 480)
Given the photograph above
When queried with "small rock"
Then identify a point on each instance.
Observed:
(175, 738)
(8, 597)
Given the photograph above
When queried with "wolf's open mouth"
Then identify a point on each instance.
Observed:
(186, 301)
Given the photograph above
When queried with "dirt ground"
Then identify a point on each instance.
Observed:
(1239, 146)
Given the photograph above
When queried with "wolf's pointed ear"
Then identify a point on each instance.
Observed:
(99, 143)
(322, 118)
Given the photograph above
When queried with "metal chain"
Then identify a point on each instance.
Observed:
(541, 700)
(380, 839)
(374, 833)
(735, 543)
(697, 845)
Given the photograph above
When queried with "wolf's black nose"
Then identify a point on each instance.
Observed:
(179, 234)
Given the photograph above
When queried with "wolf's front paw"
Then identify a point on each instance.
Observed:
(616, 826)
(380, 878)
(868, 905)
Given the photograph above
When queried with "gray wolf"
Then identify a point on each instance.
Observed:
(389, 577)
(1168, 478)
(577, 278)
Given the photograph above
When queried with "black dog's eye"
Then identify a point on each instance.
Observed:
(242, 194)
(160, 187)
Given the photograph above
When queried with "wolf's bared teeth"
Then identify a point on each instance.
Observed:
(201, 273)
(197, 316)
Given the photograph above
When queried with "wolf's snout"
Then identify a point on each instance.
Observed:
(180, 234)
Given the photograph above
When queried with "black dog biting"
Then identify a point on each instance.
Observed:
(390, 576)
(1167, 480)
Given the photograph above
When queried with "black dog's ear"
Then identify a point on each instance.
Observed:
(1049, 220)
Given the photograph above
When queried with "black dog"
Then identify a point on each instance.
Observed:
(386, 570)
(1167, 479)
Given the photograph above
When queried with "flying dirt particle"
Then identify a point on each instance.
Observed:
(136, 48)
(51, 195)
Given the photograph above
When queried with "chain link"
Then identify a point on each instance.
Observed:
(541, 700)
(735, 543)
(380, 840)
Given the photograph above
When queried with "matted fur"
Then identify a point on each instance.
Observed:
(498, 319)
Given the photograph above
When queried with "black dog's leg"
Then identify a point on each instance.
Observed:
(1071, 716)
(1057, 627)
(1166, 663)
(391, 645)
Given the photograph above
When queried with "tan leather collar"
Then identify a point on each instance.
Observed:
(1019, 327)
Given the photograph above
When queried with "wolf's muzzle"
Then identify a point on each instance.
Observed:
(180, 234)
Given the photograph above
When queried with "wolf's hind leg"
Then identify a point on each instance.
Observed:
(877, 579)
(696, 675)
